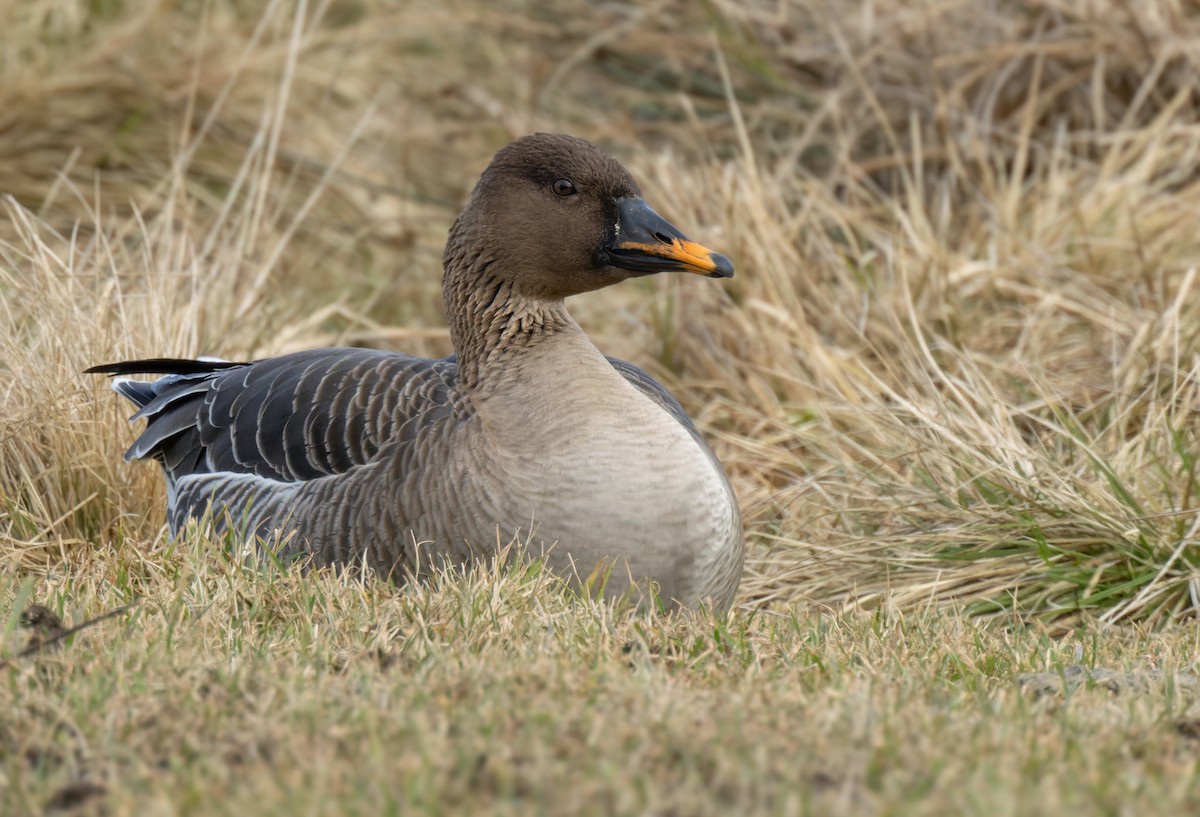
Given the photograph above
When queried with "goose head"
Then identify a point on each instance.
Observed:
(553, 216)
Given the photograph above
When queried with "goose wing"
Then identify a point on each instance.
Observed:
(290, 418)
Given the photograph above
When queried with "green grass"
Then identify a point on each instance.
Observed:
(231, 690)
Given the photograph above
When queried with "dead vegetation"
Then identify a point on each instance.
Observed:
(958, 364)
(242, 690)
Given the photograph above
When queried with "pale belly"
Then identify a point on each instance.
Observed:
(613, 498)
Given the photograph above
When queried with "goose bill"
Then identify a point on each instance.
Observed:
(647, 243)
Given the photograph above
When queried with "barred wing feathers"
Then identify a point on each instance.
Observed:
(291, 418)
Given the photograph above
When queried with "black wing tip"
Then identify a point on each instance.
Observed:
(162, 365)
(105, 368)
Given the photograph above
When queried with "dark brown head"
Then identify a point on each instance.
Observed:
(554, 216)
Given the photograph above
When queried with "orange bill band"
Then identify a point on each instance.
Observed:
(691, 257)
(644, 243)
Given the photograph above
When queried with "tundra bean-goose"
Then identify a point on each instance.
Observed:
(404, 463)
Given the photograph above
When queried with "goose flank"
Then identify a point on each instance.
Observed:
(354, 455)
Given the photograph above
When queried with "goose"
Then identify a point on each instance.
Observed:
(356, 456)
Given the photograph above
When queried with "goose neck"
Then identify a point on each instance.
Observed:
(492, 325)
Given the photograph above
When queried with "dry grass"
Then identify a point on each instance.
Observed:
(957, 370)
(234, 692)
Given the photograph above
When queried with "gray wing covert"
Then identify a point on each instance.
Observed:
(291, 418)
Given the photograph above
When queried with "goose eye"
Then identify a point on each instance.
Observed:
(563, 187)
